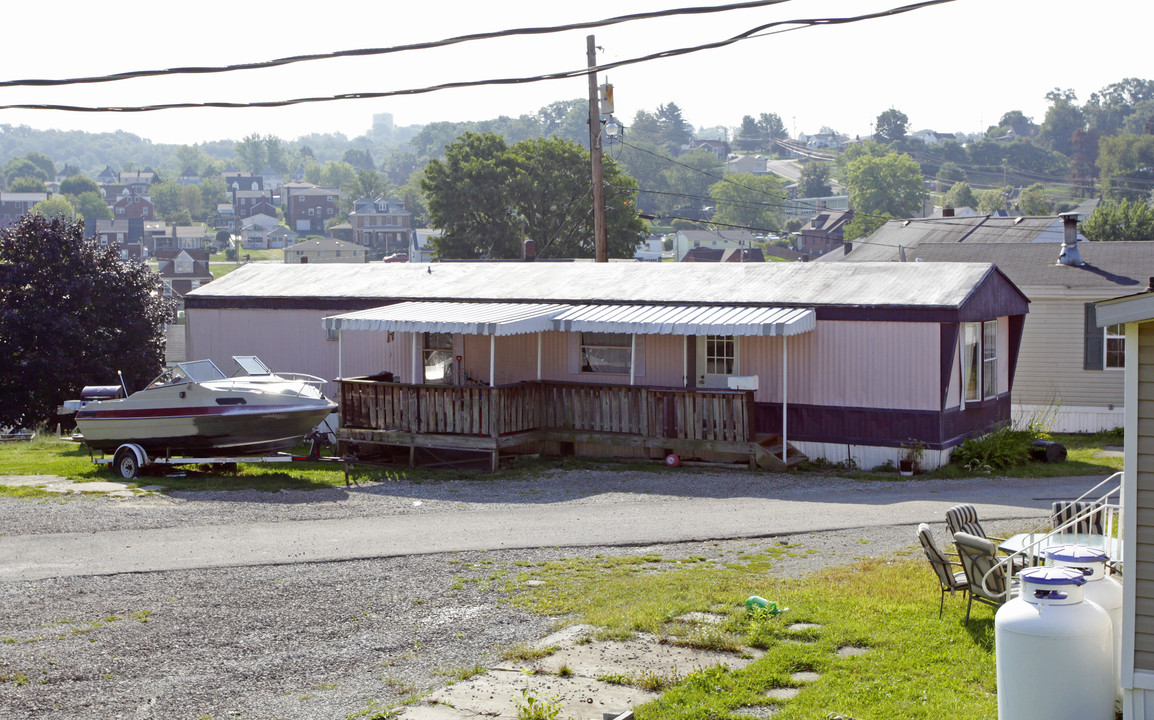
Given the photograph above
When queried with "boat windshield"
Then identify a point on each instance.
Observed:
(251, 365)
(195, 371)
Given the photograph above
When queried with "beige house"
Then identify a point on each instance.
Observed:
(324, 250)
(1135, 313)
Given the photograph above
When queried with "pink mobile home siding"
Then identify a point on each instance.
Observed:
(288, 341)
(877, 365)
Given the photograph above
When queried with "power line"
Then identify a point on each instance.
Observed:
(366, 52)
(758, 31)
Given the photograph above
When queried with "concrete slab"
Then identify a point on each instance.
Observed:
(64, 486)
(580, 694)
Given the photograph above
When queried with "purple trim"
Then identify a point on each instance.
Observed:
(884, 427)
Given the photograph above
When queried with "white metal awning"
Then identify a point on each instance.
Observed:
(451, 317)
(686, 320)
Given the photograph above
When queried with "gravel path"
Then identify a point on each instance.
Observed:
(320, 640)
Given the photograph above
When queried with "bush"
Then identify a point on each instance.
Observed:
(1003, 448)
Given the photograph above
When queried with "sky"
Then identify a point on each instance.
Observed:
(955, 67)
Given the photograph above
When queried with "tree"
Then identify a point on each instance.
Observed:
(676, 130)
(960, 195)
(22, 167)
(751, 201)
(485, 194)
(990, 201)
(884, 187)
(772, 126)
(1108, 109)
(359, 159)
(71, 313)
(1063, 119)
(749, 136)
(1033, 201)
(467, 193)
(43, 162)
(1126, 166)
(814, 179)
(26, 184)
(1122, 220)
(891, 126)
(90, 206)
(252, 154)
(550, 194)
(78, 184)
(53, 207)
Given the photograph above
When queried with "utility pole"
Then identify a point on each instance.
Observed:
(600, 245)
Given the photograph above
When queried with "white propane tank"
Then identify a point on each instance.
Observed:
(1053, 650)
(1100, 588)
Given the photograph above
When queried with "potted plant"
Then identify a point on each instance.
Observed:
(913, 452)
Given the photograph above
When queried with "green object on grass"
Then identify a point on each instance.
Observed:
(754, 604)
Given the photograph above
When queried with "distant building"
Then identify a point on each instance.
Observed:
(182, 271)
(382, 225)
(324, 250)
(15, 205)
(824, 232)
(309, 209)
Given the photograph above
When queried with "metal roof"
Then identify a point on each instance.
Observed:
(451, 317)
(883, 244)
(861, 285)
(1110, 267)
(686, 320)
(520, 318)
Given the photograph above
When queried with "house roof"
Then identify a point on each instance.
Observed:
(1131, 308)
(325, 243)
(852, 287)
(1111, 267)
(883, 244)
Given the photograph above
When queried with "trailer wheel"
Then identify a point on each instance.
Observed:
(126, 464)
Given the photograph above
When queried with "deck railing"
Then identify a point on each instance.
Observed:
(675, 413)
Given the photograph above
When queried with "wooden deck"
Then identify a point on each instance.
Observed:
(492, 419)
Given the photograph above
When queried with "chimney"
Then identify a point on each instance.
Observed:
(947, 212)
(1070, 254)
(529, 250)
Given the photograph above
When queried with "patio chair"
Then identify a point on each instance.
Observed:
(964, 518)
(979, 557)
(1078, 517)
(949, 578)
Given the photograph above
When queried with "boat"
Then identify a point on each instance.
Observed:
(194, 408)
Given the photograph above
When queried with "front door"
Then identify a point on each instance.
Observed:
(716, 360)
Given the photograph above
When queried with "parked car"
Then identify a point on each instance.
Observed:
(396, 257)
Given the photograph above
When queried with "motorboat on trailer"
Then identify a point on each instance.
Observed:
(194, 408)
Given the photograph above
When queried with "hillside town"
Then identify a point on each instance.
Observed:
(436, 303)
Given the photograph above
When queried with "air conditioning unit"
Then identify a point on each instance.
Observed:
(743, 382)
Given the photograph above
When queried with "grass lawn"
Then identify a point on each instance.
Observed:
(49, 455)
(912, 665)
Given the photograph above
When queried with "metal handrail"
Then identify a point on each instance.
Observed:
(1099, 505)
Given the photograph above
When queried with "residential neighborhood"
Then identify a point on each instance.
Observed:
(586, 410)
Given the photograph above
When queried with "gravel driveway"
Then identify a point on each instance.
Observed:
(316, 640)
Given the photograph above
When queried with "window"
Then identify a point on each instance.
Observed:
(605, 353)
(1103, 348)
(979, 361)
(438, 358)
(720, 355)
(1115, 346)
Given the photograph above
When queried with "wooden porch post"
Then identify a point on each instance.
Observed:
(492, 360)
(340, 354)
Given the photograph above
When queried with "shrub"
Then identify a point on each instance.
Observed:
(1003, 448)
